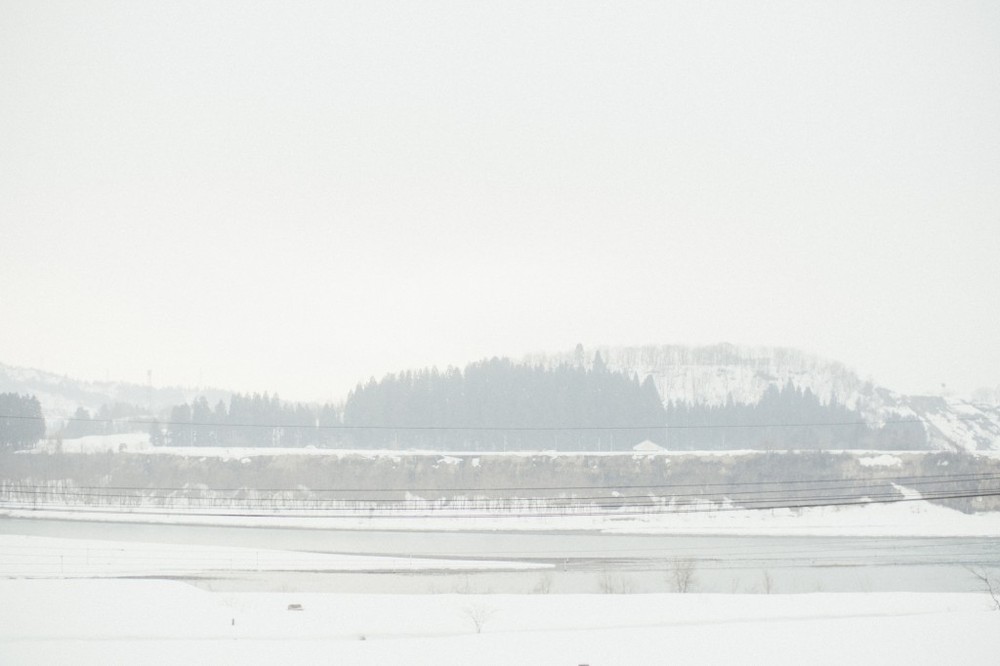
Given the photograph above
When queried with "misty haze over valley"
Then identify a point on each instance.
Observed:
(499, 332)
(713, 397)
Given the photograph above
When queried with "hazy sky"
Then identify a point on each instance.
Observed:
(295, 196)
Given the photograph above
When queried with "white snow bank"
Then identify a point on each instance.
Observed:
(133, 442)
(139, 443)
(164, 622)
(48, 557)
(908, 518)
(884, 460)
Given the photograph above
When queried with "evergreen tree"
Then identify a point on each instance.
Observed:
(156, 433)
(21, 421)
(180, 429)
(80, 425)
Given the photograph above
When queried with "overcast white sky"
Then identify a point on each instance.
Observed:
(295, 196)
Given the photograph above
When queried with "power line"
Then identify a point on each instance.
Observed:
(476, 503)
(908, 480)
(583, 510)
(939, 552)
(752, 551)
(470, 428)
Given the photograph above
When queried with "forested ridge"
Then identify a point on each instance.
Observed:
(492, 405)
(499, 405)
(787, 418)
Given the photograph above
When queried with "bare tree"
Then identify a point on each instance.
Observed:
(479, 613)
(610, 583)
(544, 584)
(991, 584)
(766, 582)
(681, 575)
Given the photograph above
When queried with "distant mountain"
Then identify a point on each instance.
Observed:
(707, 375)
(713, 375)
(60, 396)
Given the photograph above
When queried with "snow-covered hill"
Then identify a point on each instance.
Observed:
(60, 396)
(713, 374)
(705, 375)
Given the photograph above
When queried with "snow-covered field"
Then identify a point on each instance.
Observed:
(103, 622)
(82, 601)
(139, 442)
(913, 517)
(48, 557)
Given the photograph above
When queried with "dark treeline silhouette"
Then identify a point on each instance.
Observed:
(497, 405)
(249, 420)
(786, 418)
(21, 421)
(107, 420)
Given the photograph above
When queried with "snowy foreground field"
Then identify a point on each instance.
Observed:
(82, 601)
(168, 622)
(148, 584)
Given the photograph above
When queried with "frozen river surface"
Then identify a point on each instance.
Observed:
(580, 561)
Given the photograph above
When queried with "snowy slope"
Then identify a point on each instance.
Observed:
(711, 374)
(706, 374)
(60, 396)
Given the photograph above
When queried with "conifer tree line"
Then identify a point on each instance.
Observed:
(107, 420)
(786, 418)
(492, 405)
(497, 405)
(21, 421)
(249, 420)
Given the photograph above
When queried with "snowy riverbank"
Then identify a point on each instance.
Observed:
(85, 622)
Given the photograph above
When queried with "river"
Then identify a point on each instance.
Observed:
(581, 561)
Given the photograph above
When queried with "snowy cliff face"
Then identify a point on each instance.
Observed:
(712, 374)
